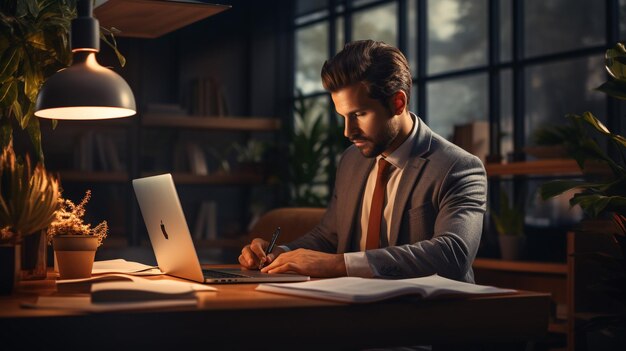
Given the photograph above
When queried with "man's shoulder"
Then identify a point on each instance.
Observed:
(443, 151)
(352, 154)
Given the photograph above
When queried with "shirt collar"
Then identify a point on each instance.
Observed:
(400, 156)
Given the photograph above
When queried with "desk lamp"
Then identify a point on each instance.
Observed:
(85, 90)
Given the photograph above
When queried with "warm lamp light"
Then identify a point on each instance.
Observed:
(85, 90)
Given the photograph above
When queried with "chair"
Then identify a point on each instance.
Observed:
(293, 222)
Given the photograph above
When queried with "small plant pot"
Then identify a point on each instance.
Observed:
(511, 246)
(75, 255)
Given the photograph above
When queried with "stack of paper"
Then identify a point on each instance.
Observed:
(120, 265)
(116, 285)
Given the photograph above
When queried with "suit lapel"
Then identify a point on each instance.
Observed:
(353, 194)
(413, 168)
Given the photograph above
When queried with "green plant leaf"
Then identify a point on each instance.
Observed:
(9, 61)
(34, 132)
(32, 80)
(557, 187)
(613, 88)
(6, 131)
(8, 93)
(33, 7)
(614, 61)
(18, 113)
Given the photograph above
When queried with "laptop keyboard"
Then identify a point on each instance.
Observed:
(208, 273)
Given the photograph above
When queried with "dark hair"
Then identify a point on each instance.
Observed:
(382, 68)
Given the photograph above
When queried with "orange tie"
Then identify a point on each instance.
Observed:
(376, 210)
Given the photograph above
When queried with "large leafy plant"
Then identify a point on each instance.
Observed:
(600, 194)
(604, 194)
(34, 44)
(312, 154)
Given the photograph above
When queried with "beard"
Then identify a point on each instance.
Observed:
(373, 146)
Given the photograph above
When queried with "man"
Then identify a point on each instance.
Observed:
(432, 194)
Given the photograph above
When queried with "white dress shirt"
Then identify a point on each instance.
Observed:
(357, 264)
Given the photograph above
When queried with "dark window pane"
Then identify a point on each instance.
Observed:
(378, 23)
(311, 17)
(412, 36)
(311, 52)
(622, 20)
(339, 35)
(456, 101)
(413, 99)
(305, 7)
(457, 34)
(557, 89)
(506, 113)
(561, 25)
(506, 31)
(359, 3)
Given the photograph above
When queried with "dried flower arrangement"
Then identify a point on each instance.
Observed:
(69, 221)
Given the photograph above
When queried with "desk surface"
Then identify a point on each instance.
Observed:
(240, 317)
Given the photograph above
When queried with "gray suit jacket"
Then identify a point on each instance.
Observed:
(440, 204)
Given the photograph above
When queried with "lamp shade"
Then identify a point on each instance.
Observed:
(85, 90)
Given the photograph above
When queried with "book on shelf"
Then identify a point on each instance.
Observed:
(206, 221)
(363, 290)
(197, 159)
(107, 152)
(84, 153)
(206, 98)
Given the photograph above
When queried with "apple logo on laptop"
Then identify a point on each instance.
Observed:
(163, 231)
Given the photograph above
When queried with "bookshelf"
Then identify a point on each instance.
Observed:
(214, 123)
(538, 167)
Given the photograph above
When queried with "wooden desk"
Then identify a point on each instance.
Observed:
(238, 317)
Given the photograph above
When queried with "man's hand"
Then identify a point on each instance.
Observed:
(308, 262)
(253, 255)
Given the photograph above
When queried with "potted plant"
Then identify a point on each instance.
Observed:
(602, 195)
(75, 242)
(28, 202)
(250, 156)
(312, 153)
(509, 223)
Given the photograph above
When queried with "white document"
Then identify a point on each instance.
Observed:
(141, 289)
(361, 290)
(122, 266)
(130, 282)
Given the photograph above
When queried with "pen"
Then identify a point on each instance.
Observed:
(270, 247)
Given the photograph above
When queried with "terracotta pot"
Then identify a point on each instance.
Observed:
(75, 255)
(511, 246)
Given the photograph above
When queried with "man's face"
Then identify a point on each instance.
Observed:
(368, 124)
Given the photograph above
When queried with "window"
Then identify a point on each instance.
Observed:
(546, 57)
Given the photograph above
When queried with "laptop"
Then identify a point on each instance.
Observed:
(171, 239)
